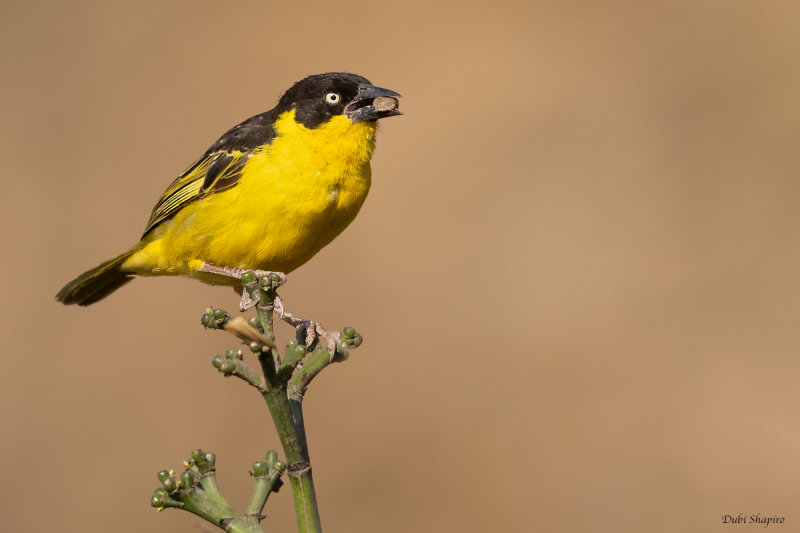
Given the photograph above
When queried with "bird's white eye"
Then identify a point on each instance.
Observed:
(332, 98)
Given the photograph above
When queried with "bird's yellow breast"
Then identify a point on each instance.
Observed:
(295, 195)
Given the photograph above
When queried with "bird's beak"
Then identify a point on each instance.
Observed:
(372, 103)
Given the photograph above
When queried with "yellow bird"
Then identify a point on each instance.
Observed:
(268, 195)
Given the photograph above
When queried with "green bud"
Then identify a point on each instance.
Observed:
(272, 456)
(347, 333)
(274, 278)
(214, 318)
(198, 456)
(162, 500)
(295, 350)
(357, 340)
(187, 480)
(231, 352)
(217, 362)
(211, 457)
(159, 499)
(260, 469)
(248, 277)
(254, 323)
(164, 474)
(255, 347)
(279, 466)
(227, 367)
(170, 484)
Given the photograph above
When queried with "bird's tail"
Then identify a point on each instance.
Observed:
(97, 283)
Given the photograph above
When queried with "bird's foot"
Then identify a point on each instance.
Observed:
(247, 301)
(278, 303)
(235, 272)
(256, 284)
(309, 332)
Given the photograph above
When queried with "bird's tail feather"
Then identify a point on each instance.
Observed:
(97, 283)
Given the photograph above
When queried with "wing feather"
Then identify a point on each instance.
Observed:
(219, 169)
(212, 173)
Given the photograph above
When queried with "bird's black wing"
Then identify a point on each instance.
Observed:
(220, 168)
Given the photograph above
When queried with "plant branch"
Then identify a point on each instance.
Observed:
(268, 480)
(282, 384)
(232, 364)
(196, 491)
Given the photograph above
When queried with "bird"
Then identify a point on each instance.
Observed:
(266, 196)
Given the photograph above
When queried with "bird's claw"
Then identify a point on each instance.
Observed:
(309, 332)
(278, 303)
(246, 303)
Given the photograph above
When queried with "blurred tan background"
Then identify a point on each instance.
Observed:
(577, 273)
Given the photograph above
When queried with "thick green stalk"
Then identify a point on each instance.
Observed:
(278, 403)
(305, 500)
(290, 428)
(299, 469)
(266, 323)
(283, 386)
(296, 408)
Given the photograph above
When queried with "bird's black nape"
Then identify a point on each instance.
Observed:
(307, 97)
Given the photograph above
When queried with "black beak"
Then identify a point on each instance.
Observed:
(372, 103)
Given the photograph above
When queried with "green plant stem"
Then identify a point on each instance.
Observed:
(246, 524)
(204, 509)
(247, 374)
(311, 368)
(291, 429)
(260, 494)
(296, 410)
(266, 321)
(305, 500)
(291, 433)
(209, 483)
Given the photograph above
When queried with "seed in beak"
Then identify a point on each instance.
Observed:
(385, 103)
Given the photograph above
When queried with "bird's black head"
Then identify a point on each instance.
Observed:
(318, 98)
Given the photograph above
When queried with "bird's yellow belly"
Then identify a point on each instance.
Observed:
(288, 204)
